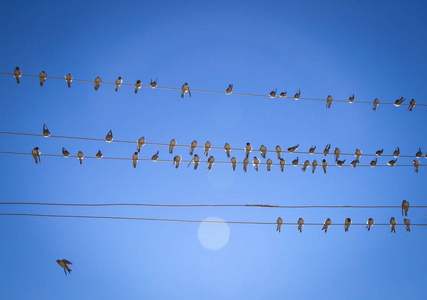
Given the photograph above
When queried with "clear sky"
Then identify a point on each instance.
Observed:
(367, 48)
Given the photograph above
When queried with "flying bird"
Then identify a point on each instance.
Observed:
(392, 162)
(64, 264)
(412, 104)
(42, 77)
(36, 154)
(297, 95)
(358, 154)
(97, 83)
(279, 223)
(172, 145)
(376, 103)
(255, 163)
(396, 152)
(245, 164)
(314, 165)
(211, 161)
(399, 102)
(278, 151)
(17, 74)
(135, 159)
(193, 146)
(347, 224)
(312, 150)
(46, 132)
(370, 223)
(207, 147)
(263, 151)
(248, 149)
(373, 163)
(229, 90)
(272, 94)
(327, 149)
(351, 99)
(233, 162)
(393, 224)
(140, 142)
(69, 79)
(324, 165)
(269, 164)
(293, 149)
(227, 149)
(176, 161)
(282, 164)
(138, 85)
(99, 154)
(283, 94)
(295, 161)
(80, 157)
(305, 165)
(119, 82)
(155, 157)
(65, 153)
(326, 225)
(300, 224)
(379, 152)
(407, 224)
(419, 154)
(109, 136)
(195, 160)
(340, 163)
(337, 153)
(185, 89)
(416, 165)
(328, 101)
(153, 84)
(405, 207)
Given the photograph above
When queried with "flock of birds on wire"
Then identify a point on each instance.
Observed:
(186, 89)
(248, 149)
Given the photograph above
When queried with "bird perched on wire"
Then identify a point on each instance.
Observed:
(80, 157)
(269, 163)
(278, 151)
(373, 163)
(65, 153)
(347, 224)
(314, 165)
(36, 154)
(138, 85)
(272, 94)
(370, 223)
(97, 83)
(328, 101)
(245, 164)
(326, 225)
(172, 145)
(337, 153)
(153, 84)
(412, 104)
(227, 149)
(119, 82)
(293, 148)
(354, 163)
(407, 224)
(393, 224)
(193, 146)
(358, 154)
(399, 102)
(416, 165)
(42, 77)
(64, 264)
(207, 147)
(283, 94)
(176, 161)
(392, 162)
(211, 161)
(327, 149)
(69, 79)
(396, 152)
(135, 159)
(256, 162)
(324, 165)
(46, 132)
(351, 99)
(376, 103)
(263, 151)
(233, 162)
(195, 160)
(312, 150)
(295, 161)
(279, 223)
(405, 207)
(305, 165)
(17, 74)
(419, 154)
(340, 163)
(99, 154)
(109, 136)
(229, 90)
(282, 164)
(300, 224)
(379, 152)
(248, 149)
(185, 89)
(140, 142)
(297, 95)
(155, 157)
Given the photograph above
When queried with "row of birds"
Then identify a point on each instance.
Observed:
(185, 88)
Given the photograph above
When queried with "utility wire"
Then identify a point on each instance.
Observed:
(188, 221)
(188, 146)
(205, 91)
(189, 161)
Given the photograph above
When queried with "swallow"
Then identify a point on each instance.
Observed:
(419, 154)
(412, 104)
(351, 99)
(312, 150)
(297, 95)
(300, 224)
(279, 223)
(185, 89)
(337, 153)
(392, 162)
(97, 83)
(233, 162)
(278, 151)
(69, 79)
(99, 154)
(405, 207)
(340, 163)
(80, 157)
(416, 165)
(329, 101)
(293, 149)
(347, 224)
(229, 90)
(207, 147)
(153, 84)
(193, 146)
(327, 149)
(269, 164)
(211, 161)
(263, 151)
(398, 102)
(376, 103)
(324, 165)
(370, 223)
(155, 157)
(255, 163)
(135, 159)
(140, 142)
(109, 136)
(46, 132)
(119, 82)
(373, 163)
(172, 145)
(305, 165)
(65, 153)
(295, 162)
(195, 160)
(396, 152)
(42, 77)
(17, 74)
(379, 152)
(393, 224)
(354, 163)
(64, 264)
(272, 94)
(36, 154)
(283, 94)
(176, 161)
(326, 225)
(282, 164)
(407, 224)
(138, 85)
(245, 164)
(248, 149)
(314, 165)
(227, 149)
(358, 154)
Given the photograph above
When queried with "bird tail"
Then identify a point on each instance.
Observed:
(81, 162)
(117, 88)
(41, 83)
(234, 168)
(228, 154)
(69, 84)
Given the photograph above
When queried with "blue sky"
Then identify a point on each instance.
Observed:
(328, 47)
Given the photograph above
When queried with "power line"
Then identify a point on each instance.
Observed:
(189, 221)
(189, 146)
(207, 205)
(189, 161)
(211, 92)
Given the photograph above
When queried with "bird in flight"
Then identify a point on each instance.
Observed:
(64, 264)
